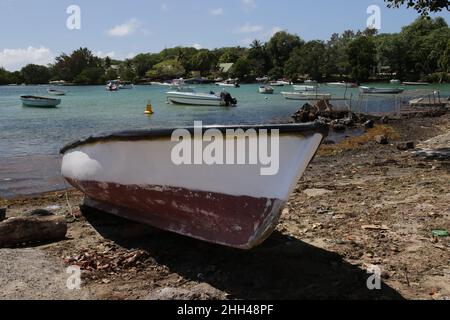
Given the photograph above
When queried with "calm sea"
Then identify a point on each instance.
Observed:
(30, 138)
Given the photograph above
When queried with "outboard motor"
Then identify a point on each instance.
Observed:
(228, 99)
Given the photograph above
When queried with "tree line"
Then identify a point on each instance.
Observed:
(421, 51)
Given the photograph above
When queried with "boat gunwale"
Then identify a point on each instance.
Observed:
(140, 135)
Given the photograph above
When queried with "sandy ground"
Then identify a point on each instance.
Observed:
(359, 204)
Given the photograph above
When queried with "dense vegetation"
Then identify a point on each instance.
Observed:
(421, 51)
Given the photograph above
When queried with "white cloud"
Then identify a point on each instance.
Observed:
(131, 55)
(249, 4)
(125, 29)
(216, 12)
(101, 54)
(15, 59)
(250, 28)
(274, 30)
(197, 46)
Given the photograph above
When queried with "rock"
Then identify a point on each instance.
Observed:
(348, 122)
(339, 127)
(369, 124)
(403, 146)
(328, 142)
(384, 120)
(382, 139)
(201, 291)
(311, 193)
(2, 214)
(39, 213)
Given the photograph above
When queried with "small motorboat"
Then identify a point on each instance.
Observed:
(373, 90)
(343, 84)
(134, 175)
(125, 85)
(56, 92)
(262, 79)
(304, 88)
(192, 98)
(230, 83)
(395, 81)
(280, 83)
(266, 89)
(306, 96)
(42, 102)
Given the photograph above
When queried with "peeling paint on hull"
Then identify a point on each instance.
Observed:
(236, 221)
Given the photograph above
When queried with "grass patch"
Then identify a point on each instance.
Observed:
(353, 143)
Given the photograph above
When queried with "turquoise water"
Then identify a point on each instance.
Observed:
(87, 110)
(30, 138)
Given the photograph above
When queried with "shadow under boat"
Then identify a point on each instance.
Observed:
(283, 268)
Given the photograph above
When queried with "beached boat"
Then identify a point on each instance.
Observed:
(134, 175)
(304, 88)
(306, 96)
(222, 99)
(343, 84)
(56, 92)
(266, 90)
(42, 102)
(372, 90)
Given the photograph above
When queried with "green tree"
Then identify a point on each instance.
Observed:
(67, 67)
(168, 69)
(361, 56)
(280, 47)
(309, 59)
(424, 7)
(203, 61)
(35, 74)
(90, 75)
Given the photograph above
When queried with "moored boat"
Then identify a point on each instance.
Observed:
(42, 102)
(266, 89)
(56, 92)
(306, 96)
(230, 83)
(343, 84)
(304, 88)
(395, 81)
(192, 98)
(123, 85)
(134, 175)
(409, 83)
(372, 90)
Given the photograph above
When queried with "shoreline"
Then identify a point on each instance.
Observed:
(359, 204)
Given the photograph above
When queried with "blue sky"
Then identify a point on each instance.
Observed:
(35, 31)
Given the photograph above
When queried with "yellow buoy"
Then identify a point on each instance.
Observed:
(149, 109)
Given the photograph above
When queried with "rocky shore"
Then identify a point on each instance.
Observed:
(363, 202)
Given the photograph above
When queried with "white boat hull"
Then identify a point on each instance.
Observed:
(304, 88)
(193, 99)
(369, 90)
(132, 175)
(41, 102)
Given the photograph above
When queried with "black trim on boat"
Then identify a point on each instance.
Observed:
(137, 135)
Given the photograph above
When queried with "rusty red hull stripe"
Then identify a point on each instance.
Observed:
(237, 221)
